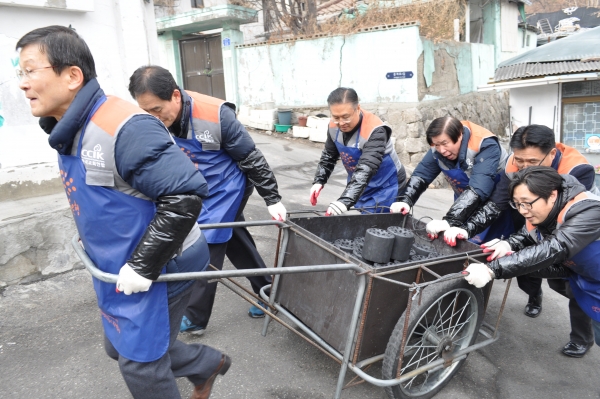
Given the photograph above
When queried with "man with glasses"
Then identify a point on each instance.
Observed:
(363, 142)
(135, 198)
(534, 145)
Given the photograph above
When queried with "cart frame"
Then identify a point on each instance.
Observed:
(415, 289)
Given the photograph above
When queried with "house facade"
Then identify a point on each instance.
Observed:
(557, 85)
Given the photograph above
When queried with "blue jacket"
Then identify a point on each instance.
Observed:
(483, 172)
(146, 156)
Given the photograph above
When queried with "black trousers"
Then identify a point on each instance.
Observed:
(241, 251)
(156, 380)
(581, 324)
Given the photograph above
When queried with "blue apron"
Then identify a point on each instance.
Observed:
(502, 226)
(226, 185)
(382, 189)
(110, 224)
(585, 283)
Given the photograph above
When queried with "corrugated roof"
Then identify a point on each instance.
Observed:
(573, 48)
(529, 70)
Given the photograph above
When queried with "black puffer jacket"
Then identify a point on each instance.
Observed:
(580, 228)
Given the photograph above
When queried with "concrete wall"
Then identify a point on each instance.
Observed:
(452, 68)
(305, 71)
(121, 36)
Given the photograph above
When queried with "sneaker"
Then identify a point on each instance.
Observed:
(188, 326)
(256, 312)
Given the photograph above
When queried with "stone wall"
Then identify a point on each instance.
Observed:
(35, 244)
(410, 121)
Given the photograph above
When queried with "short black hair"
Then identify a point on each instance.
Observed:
(446, 124)
(343, 95)
(152, 79)
(538, 136)
(63, 47)
(540, 180)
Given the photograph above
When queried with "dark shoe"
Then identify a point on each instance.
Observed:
(202, 391)
(534, 306)
(575, 350)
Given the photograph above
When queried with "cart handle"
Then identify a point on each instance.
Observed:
(112, 278)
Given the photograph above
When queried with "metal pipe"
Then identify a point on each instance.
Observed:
(351, 334)
(435, 365)
(308, 332)
(112, 278)
(275, 284)
(243, 224)
(268, 312)
(370, 360)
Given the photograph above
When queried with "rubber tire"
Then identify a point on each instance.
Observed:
(430, 295)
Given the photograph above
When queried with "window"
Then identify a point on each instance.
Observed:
(580, 113)
(197, 3)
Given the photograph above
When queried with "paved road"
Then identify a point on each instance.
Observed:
(50, 333)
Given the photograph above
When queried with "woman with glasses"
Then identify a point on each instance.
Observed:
(560, 239)
(363, 142)
(471, 159)
(534, 145)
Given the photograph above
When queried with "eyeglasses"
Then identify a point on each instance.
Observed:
(27, 72)
(534, 162)
(337, 121)
(527, 206)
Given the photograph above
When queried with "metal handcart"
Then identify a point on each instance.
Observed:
(420, 318)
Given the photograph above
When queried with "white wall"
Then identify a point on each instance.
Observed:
(544, 101)
(306, 71)
(121, 36)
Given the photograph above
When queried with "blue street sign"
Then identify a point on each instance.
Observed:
(399, 75)
(226, 42)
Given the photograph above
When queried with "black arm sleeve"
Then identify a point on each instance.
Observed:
(414, 188)
(463, 207)
(329, 158)
(175, 216)
(482, 218)
(259, 173)
(577, 232)
(368, 164)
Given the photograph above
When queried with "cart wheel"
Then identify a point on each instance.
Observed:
(446, 321)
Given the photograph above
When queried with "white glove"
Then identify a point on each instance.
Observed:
(277, 211)
(336, 208)
(454, 233)
(400, 207)
(315, 190)
(129, 282)
(479, 274)
(499, 248)
(436, 226)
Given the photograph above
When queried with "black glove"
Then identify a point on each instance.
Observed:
(259, 173)
(462, 208)
(175, 216)
(325, 166)
(415, 187)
